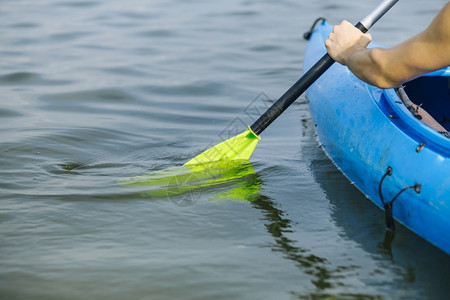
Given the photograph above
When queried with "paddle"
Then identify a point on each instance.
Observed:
(228, 161)
(242, 145)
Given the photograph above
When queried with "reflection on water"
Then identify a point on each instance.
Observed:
(386, 245)
(234, 176)
(278, 224)
(236, 181)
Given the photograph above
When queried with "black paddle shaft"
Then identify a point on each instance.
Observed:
(296, 90)
(314, 73)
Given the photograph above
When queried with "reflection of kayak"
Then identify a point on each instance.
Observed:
(366, 130)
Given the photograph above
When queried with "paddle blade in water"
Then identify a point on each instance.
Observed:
(223, 163)
(239, 147)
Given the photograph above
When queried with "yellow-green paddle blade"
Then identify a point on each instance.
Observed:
(239, 147)
(223, 163)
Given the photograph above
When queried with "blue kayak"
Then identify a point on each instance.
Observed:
(391, 156)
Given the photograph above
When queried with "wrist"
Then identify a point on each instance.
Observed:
(349, 55)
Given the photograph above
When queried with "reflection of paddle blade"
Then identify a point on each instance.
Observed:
(159, 178)
(190, 181)
(239, 147)
(244, 190)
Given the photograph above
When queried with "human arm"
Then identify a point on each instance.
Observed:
(386, 68)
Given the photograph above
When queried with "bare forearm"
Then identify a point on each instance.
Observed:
(386, 68)
(372, 66)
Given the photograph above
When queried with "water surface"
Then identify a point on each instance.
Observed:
(96, 91)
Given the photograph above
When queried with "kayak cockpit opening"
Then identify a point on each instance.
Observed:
(430, 96)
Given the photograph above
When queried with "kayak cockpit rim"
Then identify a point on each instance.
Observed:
(412, 126)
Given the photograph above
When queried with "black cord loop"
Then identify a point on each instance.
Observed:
(388, 206)
(307, 34)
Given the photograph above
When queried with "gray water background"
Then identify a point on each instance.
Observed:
(95, 91)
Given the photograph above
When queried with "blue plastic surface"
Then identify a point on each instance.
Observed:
(364, 129)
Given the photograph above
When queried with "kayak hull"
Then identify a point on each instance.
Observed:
(364, 130)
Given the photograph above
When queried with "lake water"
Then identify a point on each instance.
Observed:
(96, 91)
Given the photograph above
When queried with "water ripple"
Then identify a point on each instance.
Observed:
(7, 113)
(109, 95)
(79, 4)
(200, 88)
(28, 78)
